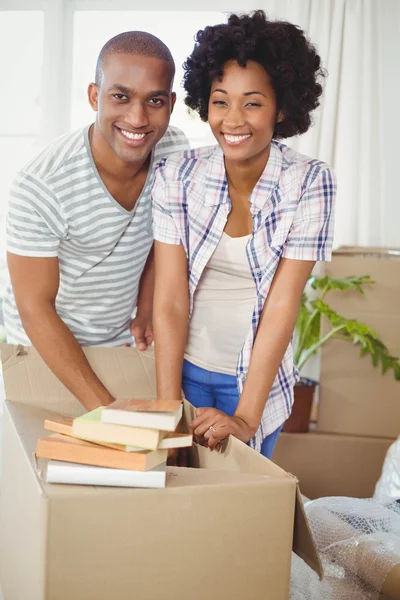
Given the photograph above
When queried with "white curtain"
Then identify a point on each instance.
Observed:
(350, 130)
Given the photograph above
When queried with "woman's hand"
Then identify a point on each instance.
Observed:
(212, 426)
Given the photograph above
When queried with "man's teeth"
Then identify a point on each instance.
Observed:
(132, 136)
(235, 139)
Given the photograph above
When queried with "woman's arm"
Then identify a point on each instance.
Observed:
(274, 332)
(170, 317)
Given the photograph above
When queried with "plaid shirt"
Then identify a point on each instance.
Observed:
(292, 212)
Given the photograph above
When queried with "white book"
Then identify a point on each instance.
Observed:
(73, 473)
(163, 415)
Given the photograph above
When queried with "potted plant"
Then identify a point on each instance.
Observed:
(308, 340)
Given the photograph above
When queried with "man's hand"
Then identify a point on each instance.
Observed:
(142, 331)
(211, 426)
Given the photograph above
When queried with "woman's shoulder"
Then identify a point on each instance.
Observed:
(298, 166)
(187, 164)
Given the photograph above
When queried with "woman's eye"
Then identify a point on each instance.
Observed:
(253, 104)
(219, 102)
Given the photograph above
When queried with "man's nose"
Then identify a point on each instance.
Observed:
(137, 116)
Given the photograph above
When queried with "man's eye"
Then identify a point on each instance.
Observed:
(156, 102)
(120, 97)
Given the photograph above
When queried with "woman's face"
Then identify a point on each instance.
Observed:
(242, 112)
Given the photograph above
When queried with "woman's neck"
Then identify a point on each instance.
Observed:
(244, 175)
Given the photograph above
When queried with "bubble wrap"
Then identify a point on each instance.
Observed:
(388, 487)
(358, 542)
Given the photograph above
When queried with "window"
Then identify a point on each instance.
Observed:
(21, 35)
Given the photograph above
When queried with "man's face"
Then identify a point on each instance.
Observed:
(134, 101)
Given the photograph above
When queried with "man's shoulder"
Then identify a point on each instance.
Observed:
(174, 140)
(55, 157)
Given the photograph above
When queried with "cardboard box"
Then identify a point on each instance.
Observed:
(125, 373)
(233, 513)
(391, 585)
(354, 397)
(332, 465)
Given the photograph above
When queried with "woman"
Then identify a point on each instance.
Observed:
(238, 228)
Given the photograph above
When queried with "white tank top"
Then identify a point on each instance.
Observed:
(223, 307)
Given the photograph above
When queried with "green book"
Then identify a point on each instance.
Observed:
(90, 427)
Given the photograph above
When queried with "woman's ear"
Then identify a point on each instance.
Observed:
(281, 117)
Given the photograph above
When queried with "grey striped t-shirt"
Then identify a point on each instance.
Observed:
(59, 206)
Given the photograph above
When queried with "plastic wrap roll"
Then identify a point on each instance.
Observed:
(359, 544)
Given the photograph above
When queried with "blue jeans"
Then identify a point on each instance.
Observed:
(217, 390)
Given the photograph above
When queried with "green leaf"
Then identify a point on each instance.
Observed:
(307, 330)
(353, 282)
(308, 325)
(303, 315)
(361, 335)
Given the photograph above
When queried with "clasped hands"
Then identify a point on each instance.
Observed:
(211, 426)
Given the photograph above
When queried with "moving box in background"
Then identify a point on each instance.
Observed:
(332, 465)
(354, 397)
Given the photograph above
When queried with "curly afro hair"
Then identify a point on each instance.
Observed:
(290, 60)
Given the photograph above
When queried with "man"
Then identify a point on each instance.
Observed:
(79, 233)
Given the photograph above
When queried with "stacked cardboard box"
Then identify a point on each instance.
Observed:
(355, 398)
(358, 408)
(232, 512)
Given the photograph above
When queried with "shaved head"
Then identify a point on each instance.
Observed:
(139, 43)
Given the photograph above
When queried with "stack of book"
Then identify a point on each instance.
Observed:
(124, 444)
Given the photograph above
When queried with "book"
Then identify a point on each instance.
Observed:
(172, 439)
(153, 414)
(64, 426)
(68, 449)
(90, 427)
(77, 474)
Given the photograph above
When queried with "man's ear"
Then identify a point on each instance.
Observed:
(173, 100)
(93, 96)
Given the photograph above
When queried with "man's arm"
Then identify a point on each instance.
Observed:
(171, 313)
(141, 325)
(35, 283)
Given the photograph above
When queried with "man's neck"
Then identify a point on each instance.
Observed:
(108, 164)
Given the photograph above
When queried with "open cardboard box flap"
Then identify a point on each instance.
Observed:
(126, 372)
(368, 251)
